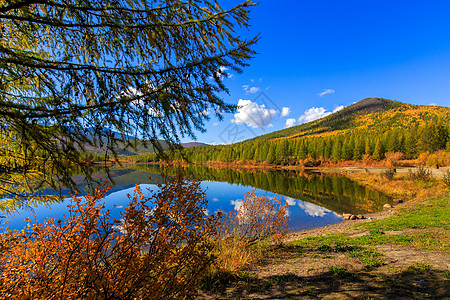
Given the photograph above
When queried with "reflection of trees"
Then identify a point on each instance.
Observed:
(24, 189)
(334, 192)
(40, 188)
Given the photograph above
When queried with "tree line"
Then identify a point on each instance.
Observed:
(352, 145)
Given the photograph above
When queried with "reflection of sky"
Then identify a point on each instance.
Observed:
(115, 201)
(221, 195)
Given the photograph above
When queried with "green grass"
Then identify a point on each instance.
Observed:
(417, 268)
(432, 215)
(339, 271)
(368, 257)
(429, 241)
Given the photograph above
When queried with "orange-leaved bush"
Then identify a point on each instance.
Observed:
(159, 249)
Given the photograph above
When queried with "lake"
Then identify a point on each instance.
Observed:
(314, 199)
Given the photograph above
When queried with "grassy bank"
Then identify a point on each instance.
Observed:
(402, 253)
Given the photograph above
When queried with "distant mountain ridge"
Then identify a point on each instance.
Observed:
(140, 146)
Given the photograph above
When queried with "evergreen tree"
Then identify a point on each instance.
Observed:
(411, 142)
(328, 148)
(263, 152)
(336, 149)
(378, 152)
(271, 154)
(358, 150)
(393, 142)
(302, 150)
(367, 148)
(347, 152)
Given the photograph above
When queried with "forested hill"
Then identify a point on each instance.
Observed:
(371, 129)
(370, 115)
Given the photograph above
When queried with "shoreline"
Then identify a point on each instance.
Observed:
(344, 225)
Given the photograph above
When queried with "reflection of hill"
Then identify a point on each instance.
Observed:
(334, 192)
(137, 177)
(122, 178)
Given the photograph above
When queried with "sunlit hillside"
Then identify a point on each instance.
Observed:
(369, 115)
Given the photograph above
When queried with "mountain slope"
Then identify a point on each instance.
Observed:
(370, 114)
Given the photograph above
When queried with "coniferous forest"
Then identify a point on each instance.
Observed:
(370, 130)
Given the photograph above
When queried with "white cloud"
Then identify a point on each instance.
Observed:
(313, 113)
(155, 112)
(289, 123)
(326, 91)
(338, 108)
(285, 111)
(253, 90)
(290, 201)
(253, 115)
(222, 73)
(312, 209)
(433, 104)
(215, 124)
(214, 199)
(270, 125)
(250, 90)
(237, 204)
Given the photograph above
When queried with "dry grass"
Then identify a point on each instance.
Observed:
(402, 186)
(233, 254)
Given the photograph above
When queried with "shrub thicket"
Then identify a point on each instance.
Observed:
(160, 247)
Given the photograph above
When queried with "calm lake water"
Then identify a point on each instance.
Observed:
(314, 199)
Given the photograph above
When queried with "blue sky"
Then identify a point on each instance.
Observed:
(319, 56)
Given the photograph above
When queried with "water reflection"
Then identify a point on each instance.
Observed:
(314, 199)
(331, 191)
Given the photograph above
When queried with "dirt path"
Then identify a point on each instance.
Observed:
(437, 173)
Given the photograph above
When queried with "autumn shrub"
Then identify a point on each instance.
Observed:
(446, 178)
(159, 249)
(256, 218)
(438, 158)
(310, 162)
(393, 158)
(421, 174)
(422, 158)
(388, 173)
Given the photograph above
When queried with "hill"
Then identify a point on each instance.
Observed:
(368, 115)
(193, 144)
